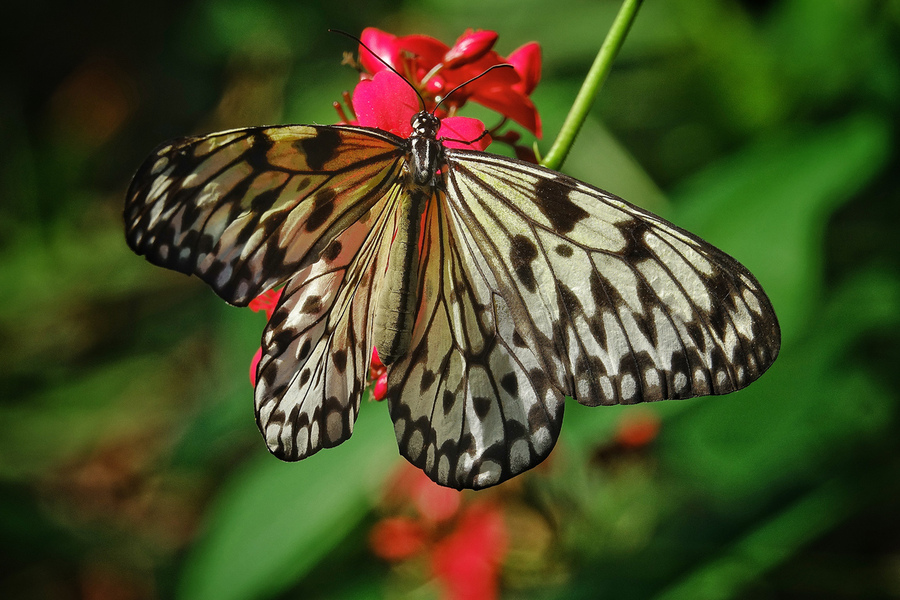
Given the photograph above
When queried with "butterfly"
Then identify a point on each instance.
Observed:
(491, 287)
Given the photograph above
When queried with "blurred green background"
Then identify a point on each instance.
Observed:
(130, 462)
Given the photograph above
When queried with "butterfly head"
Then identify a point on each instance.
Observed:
(425, 125)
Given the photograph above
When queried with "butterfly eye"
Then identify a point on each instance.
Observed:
(425, 124)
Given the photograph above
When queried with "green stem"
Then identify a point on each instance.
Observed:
(592, 83)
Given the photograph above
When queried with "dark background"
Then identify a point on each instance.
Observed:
(130, 463)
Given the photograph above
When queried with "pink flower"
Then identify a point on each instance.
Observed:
(387, 102)
(378, 374)
(380, 388)
(527, 62)
(469, 48)
(434, 70)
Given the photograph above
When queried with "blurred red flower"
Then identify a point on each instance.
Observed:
(467, 562)
(464, 544)
(265, 302)
(638, 428)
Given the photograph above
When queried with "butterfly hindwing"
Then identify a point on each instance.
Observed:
(317, 345)
(469, 402)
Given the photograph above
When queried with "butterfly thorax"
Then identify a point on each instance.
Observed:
(425, 151)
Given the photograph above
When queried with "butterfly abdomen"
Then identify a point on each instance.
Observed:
(395, 308)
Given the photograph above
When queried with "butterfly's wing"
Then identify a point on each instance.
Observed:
(469, 407)
(317, 345)
(537, 287)
(249, 209)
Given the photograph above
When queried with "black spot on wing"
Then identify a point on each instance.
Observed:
(448, 401)
(552, 197)
(522, 253)
(482, 406)
(518, 342)
(323, 206)
(304, 350)
(636, 248)
(332, 251)
(257, 156)
(312, 305)
(428, 378)
(570, 303)
(510, 384)
(321, 148)
(564, 250)
(339, 358)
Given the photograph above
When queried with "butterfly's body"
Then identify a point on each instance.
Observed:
(395, 308)
(493, 288)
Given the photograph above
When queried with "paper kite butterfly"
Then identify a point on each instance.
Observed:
(492, 288)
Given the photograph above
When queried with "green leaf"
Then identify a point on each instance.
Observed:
(274, 521)
(768, 205)
(773, 542)
(808, 411)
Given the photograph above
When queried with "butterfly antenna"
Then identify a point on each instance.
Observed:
(479, 76)
(382, 61)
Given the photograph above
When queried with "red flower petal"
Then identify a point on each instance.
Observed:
(376, 361)
(384, 45)
(380, 388)
(496, 78)
(265, 302)
(516, 106)
(254, 363)
(470, 47)
(396, 538)
(463, 133)
(527, 62)
(386, 102)
(426, 53)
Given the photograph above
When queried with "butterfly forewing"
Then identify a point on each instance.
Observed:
(246, 210)
(634, 308)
